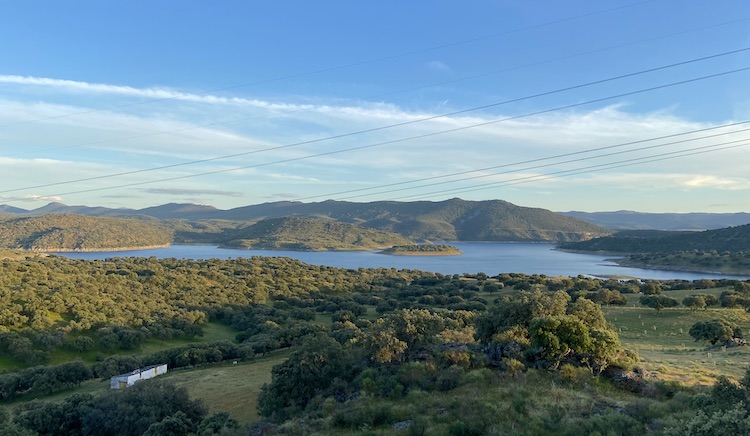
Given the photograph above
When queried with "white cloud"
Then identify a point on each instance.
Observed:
(176, 191)
(150, 93)
(120, 138)
(32, 198)
(707, 181)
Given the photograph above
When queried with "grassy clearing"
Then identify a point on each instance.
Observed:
(679, 295)
(668, 351)
(212, 331)
(230, 388)
(222, 387)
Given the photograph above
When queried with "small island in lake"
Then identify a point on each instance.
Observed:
(422, 250)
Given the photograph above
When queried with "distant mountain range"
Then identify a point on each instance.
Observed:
(450, 220)
(367, 212)
(628, 220)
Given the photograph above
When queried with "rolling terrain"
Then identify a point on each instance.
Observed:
(724, 251)
(299, 233)
(732, 239)
(450, 220)
(66, 232)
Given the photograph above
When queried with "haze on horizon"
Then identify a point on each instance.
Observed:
(141, 104)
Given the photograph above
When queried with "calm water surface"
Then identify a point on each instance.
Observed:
(488, 257)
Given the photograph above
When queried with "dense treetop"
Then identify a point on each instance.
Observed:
(299, 233)
(65, 232)
(732, 239)
(422, 249)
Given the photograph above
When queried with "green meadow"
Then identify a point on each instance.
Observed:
(668, 351)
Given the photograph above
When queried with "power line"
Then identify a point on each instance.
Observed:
(541, 159)
(350, 65)
(220, 123)
(481, 176)
(420, 120)
(592, 168)
(570, 106)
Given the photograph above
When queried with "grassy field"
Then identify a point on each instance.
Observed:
(228, 387)
(668, 351)
(213, 331)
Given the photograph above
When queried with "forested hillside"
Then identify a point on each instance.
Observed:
(298, 233)
(733, 239)
(65, 232)
(450, 220)
(716, 251)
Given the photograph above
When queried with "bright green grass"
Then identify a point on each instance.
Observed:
(679, 295)
(662, 340)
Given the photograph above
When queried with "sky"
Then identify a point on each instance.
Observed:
(578, 105)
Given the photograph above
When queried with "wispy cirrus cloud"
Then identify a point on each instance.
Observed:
(151, 93)
(176, 191)
(321, 149)
(709, 181)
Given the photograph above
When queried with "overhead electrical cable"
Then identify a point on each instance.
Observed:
(409, 138)
(541, 159)
(350, 65)
(240, 120)
(561, 58)
(580, 159)
(420, 120)
(599, 167)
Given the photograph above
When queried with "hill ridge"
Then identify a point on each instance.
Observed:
(447, 220)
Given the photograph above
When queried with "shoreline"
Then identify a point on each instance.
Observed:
(93, 250)
(418, 253)
(675, 268)
(622, 261)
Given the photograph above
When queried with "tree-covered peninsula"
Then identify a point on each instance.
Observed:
(422, 250)
(724, 250)
(67, 232)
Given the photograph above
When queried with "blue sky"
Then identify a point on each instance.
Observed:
(135, 104)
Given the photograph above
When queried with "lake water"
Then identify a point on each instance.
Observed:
(488, 257)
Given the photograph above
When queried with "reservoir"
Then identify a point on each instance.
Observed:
(492, 258)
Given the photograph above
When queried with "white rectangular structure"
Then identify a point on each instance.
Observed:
(130, 378)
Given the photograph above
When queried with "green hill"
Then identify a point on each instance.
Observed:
(724, 251)
(450, 220)
(65, 232)
(298, 233)
(732, 239)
